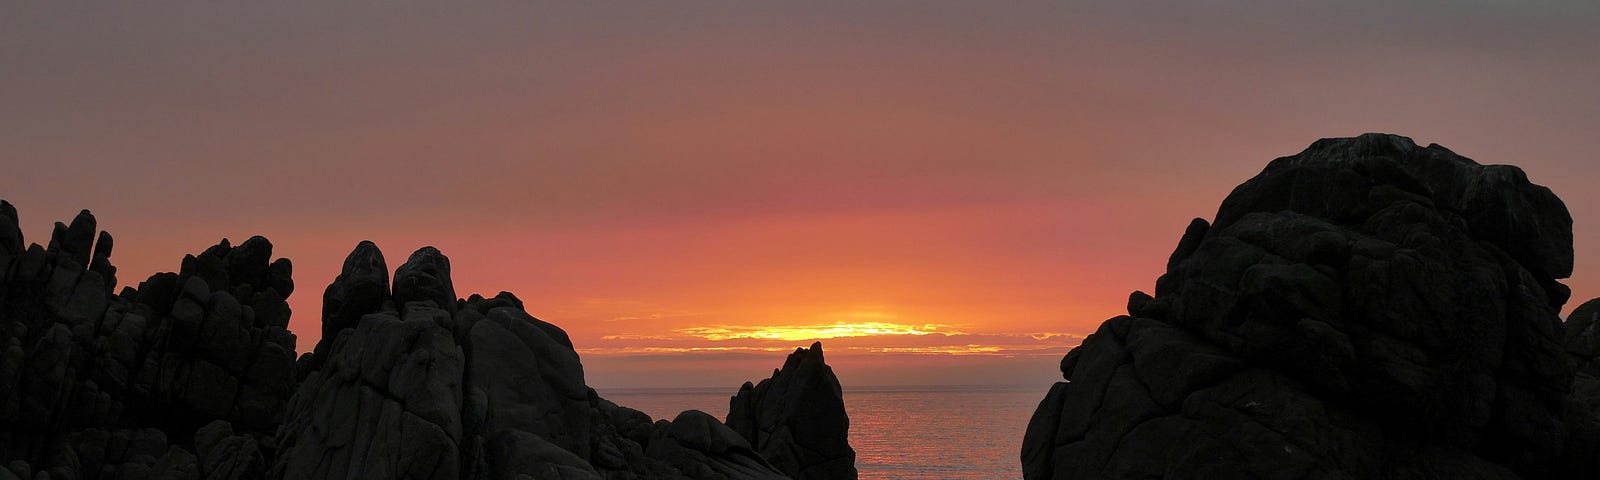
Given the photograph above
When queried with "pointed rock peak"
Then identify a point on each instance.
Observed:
(365, 258)
(425, 276)
(362, 287)
(75, 241)
(796, 419)
(102, 246)
(804, 355)
(10, 229)
(57, 235)
(220, 250)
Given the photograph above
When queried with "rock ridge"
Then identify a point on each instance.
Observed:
(193, 375)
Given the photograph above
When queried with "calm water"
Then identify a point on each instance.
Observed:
(937, 432)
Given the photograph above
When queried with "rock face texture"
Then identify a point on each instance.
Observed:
(796, 419)
(95, 385)
(193, 376)
(1367, 308)
(410, 382)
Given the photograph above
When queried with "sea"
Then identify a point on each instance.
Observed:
(898, 432)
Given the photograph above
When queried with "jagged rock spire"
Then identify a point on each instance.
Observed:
(796, 419)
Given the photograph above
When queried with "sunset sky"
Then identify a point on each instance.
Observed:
(944, 192)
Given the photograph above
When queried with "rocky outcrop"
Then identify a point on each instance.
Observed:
(796, 419)
(1367, 308)
(415, 383)
(192, 375)
(95, 385)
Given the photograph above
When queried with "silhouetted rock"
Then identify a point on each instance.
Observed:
(1367, 308)
(796, 419)
(701, 447)
(423, 385)
(192, 375)
(95, 385)
(362, 287)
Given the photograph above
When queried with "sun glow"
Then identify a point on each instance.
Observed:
(812, 332)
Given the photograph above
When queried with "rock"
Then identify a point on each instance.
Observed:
(386, 404)
(796, 419)
(701, 447)
(89, 380)
(193, 375)
(1367, 308)
(225, 456)
(478, 389)
(425, 277)
(10, 231)
(362, 287)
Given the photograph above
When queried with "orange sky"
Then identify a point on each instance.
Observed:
(979, 185)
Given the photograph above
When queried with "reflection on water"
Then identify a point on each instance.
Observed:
(933, 432)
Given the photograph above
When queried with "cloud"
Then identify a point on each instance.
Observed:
(848, 340)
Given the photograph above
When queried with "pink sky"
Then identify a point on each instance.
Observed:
(990, 181)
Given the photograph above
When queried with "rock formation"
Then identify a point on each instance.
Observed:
(418, 384)
(193, 375)
(796, 419)
(1367, 308)
(95, 385)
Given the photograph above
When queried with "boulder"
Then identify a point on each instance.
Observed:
(1367, 308)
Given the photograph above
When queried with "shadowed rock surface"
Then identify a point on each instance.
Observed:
(193, 376)
(95, 385)
(796, 419)
(422, 385)
(1367, 308)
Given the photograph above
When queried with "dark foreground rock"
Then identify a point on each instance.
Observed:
(1367, 308)
(95, 385)
(193, 376)
(418, 384)
(796, 419)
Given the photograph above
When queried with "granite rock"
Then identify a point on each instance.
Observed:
(95, 385)
(1367, 308)
(796, 419)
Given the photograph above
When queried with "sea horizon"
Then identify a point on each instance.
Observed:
(898, 431)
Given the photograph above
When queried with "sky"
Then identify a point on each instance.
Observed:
(943, 192)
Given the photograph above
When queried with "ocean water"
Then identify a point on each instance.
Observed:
(900, 432)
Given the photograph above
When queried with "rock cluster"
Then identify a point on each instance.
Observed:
(410, 382)
(1367, 308)
(95, 385)
(796, 419)
(192, 375)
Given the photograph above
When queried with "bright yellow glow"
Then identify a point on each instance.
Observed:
(944, 350)
(640, 350)
(811, 332)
